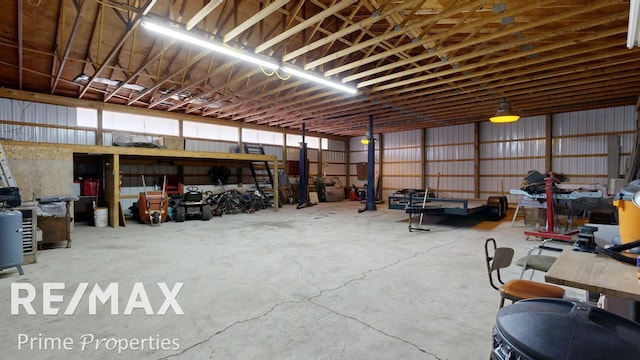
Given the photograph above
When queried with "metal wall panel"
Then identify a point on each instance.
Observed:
(336, 145)
(275, 150)
(207, 145)
(449, 154)
(597, 121)
(580, 142)
(37, 113)
(402, 157)
(359, 154)
(507, 152)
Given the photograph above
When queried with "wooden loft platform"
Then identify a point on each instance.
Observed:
(30, 155)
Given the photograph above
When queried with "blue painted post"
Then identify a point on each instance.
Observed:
(304, 171)
(371, 167)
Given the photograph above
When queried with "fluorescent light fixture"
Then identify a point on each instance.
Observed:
(633, 31)
(504, 114)
(319, 79)
(260, 60)
(207, 44)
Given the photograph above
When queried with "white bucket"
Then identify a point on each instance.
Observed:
(101, 217)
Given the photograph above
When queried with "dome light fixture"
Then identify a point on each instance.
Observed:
(504, 114)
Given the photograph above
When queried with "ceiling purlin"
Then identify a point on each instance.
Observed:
(20, 43)
(508, 32)
(168, 77)
(461, 27)
(303, 24)
(443, 57)
(339, 34)
(131, 24)
(291, 85)
(537, 72)
(59, 33)
(506, 58)
(431, 39)
(253, 19)
(384, 37)
(347, 21)
(594, 97)
(204, 93)
(228, 12)
(299, 101)
(561, 68)
(239, 93)
(189, 85)
(448, 105)
(150, 59)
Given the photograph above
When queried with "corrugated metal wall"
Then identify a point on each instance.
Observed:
(335, 161)
(402, 161)
(508, 152)
(27, 121)
(449, 152)
(359, 155)
(581, 140)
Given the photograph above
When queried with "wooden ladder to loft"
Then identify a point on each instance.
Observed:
(261, 173)
(6, 176)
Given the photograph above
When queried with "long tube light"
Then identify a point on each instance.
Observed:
(633, 31)
(183, 36)
(260, 60)
(316, 78)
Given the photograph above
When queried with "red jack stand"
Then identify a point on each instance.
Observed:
(550, 233)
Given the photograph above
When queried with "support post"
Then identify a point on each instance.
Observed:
(371, 168)
(303, 200)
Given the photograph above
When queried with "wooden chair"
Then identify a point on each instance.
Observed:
(517, 289)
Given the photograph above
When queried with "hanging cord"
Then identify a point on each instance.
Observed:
(266, 72)
(282, 77)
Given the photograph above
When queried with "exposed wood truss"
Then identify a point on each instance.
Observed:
(415, 63)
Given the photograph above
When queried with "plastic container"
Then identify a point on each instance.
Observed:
(551, 329)
(91, 187)
(101, 217)
(628, 212)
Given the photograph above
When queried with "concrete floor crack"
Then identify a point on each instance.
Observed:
(376, 329)
(364, 274)
(193, 346)
(310, 300)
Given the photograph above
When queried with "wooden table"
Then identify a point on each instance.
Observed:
(595, 272)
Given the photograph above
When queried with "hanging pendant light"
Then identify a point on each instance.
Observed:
(366, 139)
(504, 113)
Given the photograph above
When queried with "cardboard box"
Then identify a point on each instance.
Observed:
(174, 143)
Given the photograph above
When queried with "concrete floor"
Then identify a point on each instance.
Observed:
(324, 282)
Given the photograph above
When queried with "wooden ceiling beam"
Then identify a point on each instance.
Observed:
(389, 35)
(523, 68)
(507, 57)
(130, 26)
(356, 27)
(472, 41)
(202, 13)
(67, 50)
(254, 19)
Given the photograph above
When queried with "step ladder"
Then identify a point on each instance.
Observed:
(261, 173)
(6, 177)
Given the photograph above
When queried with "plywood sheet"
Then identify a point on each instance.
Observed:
(41, 171)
